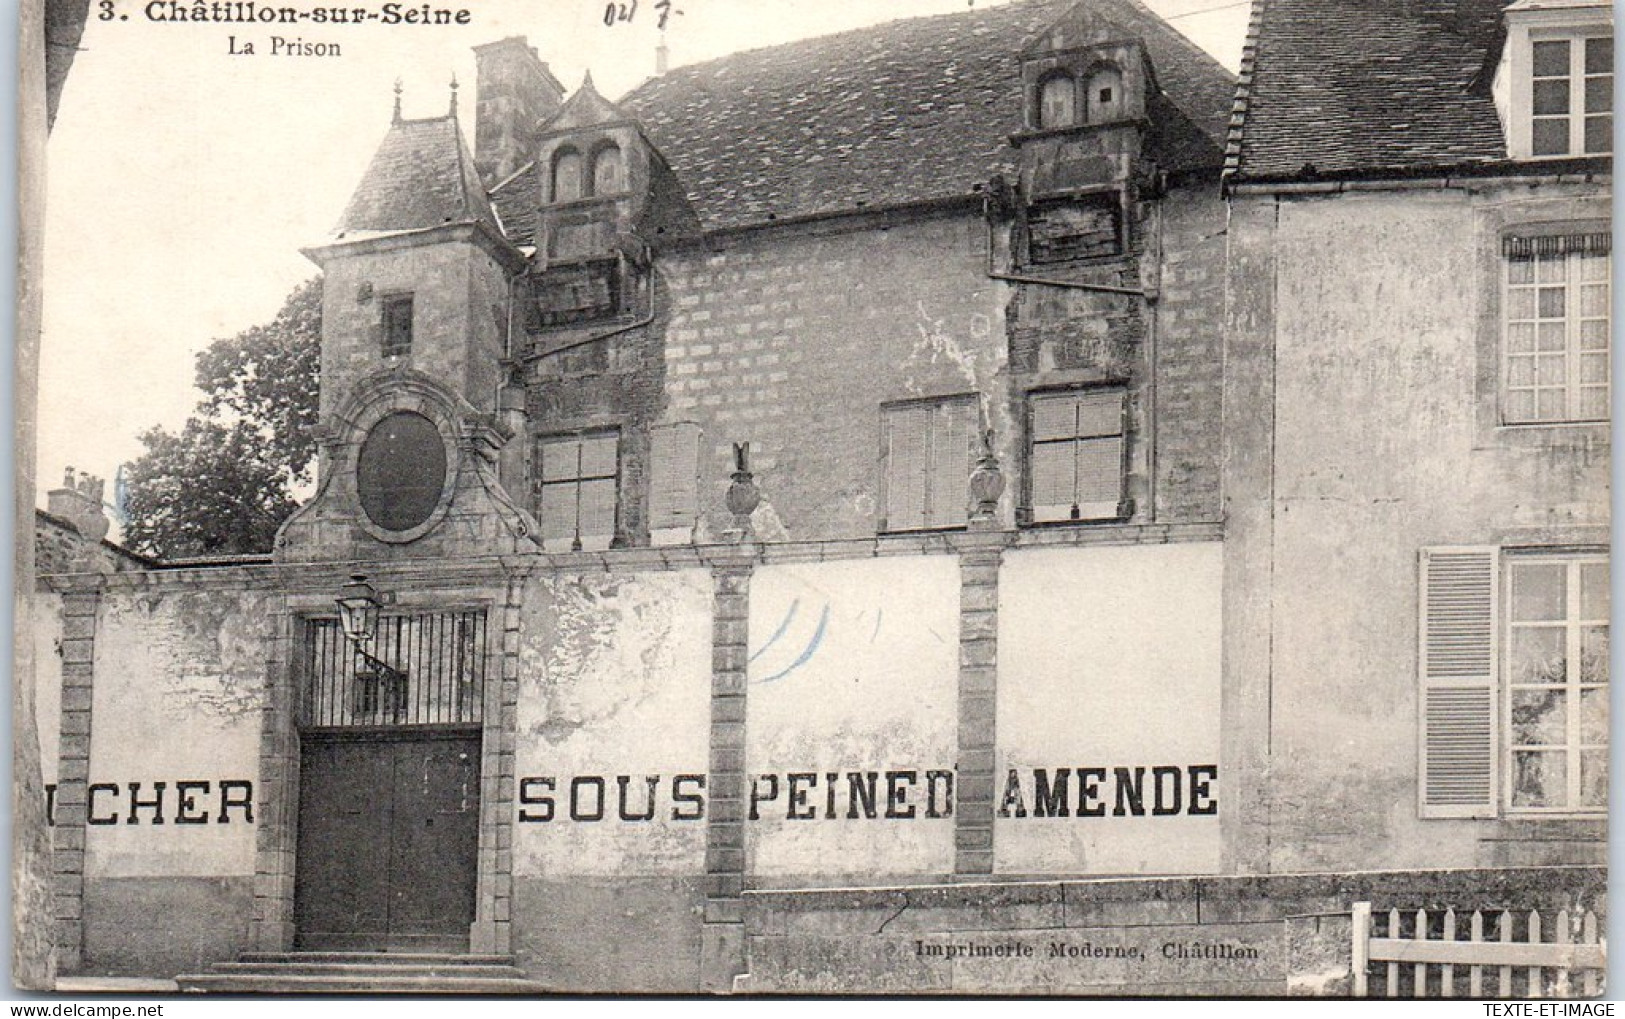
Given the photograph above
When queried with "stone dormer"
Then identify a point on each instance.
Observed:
(1553, 84)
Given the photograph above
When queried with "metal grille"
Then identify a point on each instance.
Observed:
(433, 672)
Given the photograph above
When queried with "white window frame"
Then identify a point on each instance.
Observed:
(1525, 349)
(1574, 624)
(1528, 23)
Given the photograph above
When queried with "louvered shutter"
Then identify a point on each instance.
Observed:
(1458, 656)
(674, 487)
(906, 465)
(951, 462)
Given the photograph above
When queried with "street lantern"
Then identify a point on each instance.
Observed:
(358, 610)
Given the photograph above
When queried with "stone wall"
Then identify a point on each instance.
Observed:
(1377, 317)
(1204, 936)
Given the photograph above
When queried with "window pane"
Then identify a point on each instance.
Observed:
(1552, 302)
(1594, 654)
(1551, 136)
(1551, 97)
(1594, 403)
(1600, 55)
(1551, 58)
(1594, 778)
(1052, 474)
(1540, 717)
(1595, 267)
(1521, 337)
(1594, 367)
(1521, 406)
(1594, 603)
(952, 427)
(1553, 336)
(1539, 591)
(1549, 405)
(1552, 370)
(1594, 716)
(1538, 654)
(1594, 300)
(1539, 778)
(1594, 334)
(1600, 133)
(1521, 371)
(1599, 95)
(1521, 304)
(1551, 268)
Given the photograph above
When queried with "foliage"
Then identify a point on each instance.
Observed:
(224, 484)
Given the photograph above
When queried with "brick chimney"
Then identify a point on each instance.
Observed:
(516, 92)
(79, 502)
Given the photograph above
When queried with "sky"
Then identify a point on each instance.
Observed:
(183, 179)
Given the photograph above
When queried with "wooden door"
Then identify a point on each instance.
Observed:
(388, 841)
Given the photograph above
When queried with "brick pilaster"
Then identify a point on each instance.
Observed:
(979, 558)
(73, 777)
(725, 811)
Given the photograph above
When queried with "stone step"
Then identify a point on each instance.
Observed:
(388, 958)
(264, 982)
(380, 970)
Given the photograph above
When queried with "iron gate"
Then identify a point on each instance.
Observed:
(422, 669)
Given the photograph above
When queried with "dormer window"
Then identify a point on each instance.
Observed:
(1571, 96)
(1554, 89)
(1105, 95)
(1057, 101)
(567, 181)
(607, 176)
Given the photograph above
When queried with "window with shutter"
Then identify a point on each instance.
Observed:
(576, 491)
(1076, 455)
(927, 457)
(674, 485)
(1457, 683)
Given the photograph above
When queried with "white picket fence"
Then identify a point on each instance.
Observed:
(1570, 963)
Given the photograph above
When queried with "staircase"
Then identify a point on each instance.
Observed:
(361, 973)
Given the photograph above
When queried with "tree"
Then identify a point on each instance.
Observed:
(224, 484)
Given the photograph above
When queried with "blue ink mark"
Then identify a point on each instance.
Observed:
(812, 647)
(879, 615)
(788, 616)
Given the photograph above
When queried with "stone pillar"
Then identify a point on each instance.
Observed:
(492, 933)
(722, 950)
(277, 803)
(980, 552)
(73, 776)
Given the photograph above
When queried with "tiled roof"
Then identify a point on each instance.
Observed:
(902, 112)
(1341, 87)
(421, 176)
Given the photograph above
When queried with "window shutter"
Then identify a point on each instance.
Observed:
(906, 429)
(1459, 741)
(674, 484)
(951, 462)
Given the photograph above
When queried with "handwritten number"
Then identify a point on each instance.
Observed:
(106, 11)
(614, 12)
